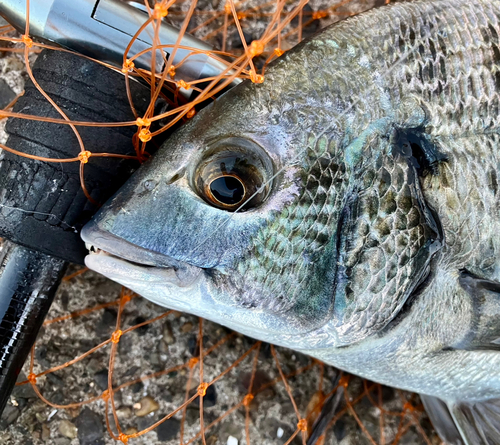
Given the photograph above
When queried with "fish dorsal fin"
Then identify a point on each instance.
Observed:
(478, 422)
(485, 298)
(442, 420)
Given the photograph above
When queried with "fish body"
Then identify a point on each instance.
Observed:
(347, 208)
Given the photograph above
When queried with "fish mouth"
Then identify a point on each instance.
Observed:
(114, 256)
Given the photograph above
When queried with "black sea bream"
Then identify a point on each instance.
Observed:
(347, 208)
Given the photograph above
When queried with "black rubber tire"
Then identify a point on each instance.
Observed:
(42, 205)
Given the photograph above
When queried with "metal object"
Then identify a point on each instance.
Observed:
(28, 283)
(102, 29)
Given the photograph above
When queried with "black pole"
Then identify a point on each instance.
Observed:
(28, 283)
(42, 205)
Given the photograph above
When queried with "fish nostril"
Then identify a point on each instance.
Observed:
(174, 178)
(149, 184)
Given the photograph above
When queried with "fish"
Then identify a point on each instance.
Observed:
(348, 207)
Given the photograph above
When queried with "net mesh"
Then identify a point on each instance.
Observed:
(171, 377)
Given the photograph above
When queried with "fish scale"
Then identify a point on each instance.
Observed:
(293, 256)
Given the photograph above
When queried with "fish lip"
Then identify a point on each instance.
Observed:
(116, 246)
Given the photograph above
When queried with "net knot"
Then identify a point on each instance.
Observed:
(319, 15)
(278, 51)
(160, 11)
(126, 298)
(191, 113)
(105, 395)
(248, 399)
(115, 337)
(256, 48)
(202, 389)
(302, 425)
(408, 407)
(227, 8)
(123, 437)
(27, 40)
(128, 66)
(183, 84)
(143, 122)
(193, 362)
(344, 381)
(84, 156)
(256, 78)
(171, 71)
(145, 135)
(32, 378)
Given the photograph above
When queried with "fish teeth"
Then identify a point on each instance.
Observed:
(92, 249)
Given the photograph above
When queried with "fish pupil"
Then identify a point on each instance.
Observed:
(227, 190)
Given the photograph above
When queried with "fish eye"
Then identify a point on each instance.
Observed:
(233, 176)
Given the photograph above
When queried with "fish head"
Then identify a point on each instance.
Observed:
(287, 218)
(201, 227)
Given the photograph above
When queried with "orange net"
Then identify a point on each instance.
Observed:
(206, 383)
(188, 380)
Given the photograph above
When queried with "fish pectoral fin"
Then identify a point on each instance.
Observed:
(442, 420)
(478, 422)
(465, 423)
(485, 301)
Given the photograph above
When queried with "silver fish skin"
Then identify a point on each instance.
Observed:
(375, 246)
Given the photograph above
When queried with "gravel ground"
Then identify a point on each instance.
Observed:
(162, 345)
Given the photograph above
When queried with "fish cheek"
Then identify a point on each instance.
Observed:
(387, 237)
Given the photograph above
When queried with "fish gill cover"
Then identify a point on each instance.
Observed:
(107, 360)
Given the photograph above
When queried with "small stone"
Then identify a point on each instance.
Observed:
(193, 346)
(234, 40)
(154, 359)
(212, 440)
(231, 440)
(55, 380)
(131, 371)
(137, 387)
(45, 432)
(101, 378)
(93, 366)
(41, 416)
(41, 356)
(145, 422)
(90, 428)
(146, 406)
(168, 334)
(68, 429)
(9, 415)
(131, 430)
(107, 323)
(124, 412)
(168, 430)
(162, 348)
(62, 441)
(13, 64)
(143, 329)
(186, 327)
